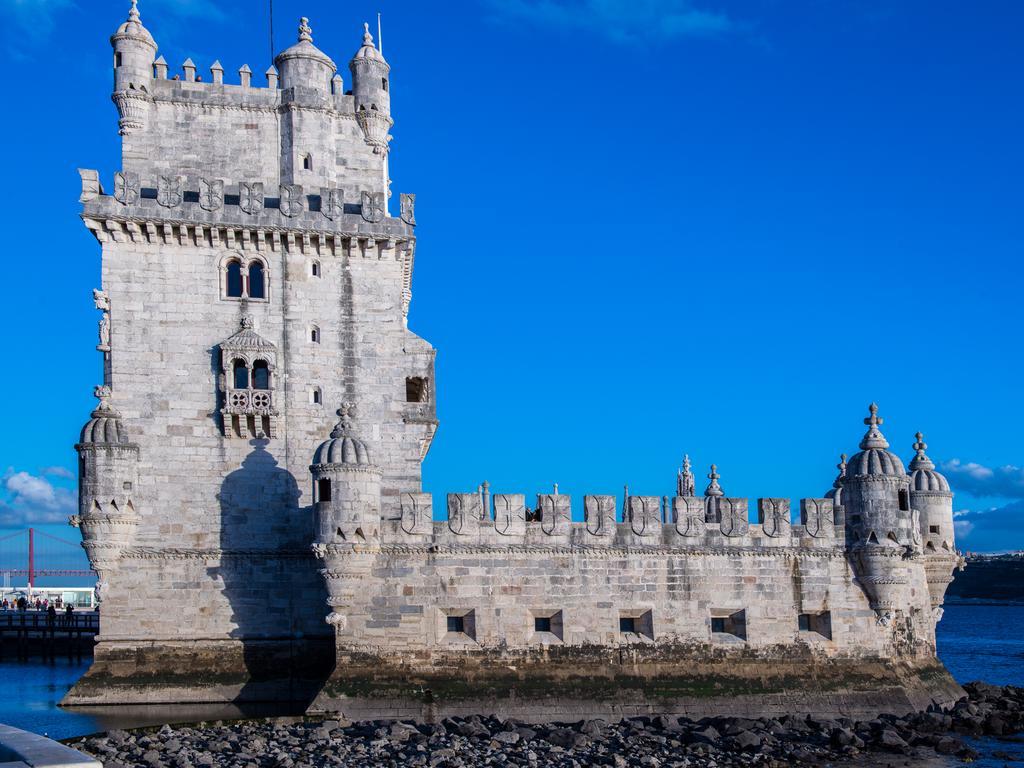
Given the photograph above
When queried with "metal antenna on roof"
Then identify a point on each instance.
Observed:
(271, 31)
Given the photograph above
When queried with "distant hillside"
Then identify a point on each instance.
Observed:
(995, 578)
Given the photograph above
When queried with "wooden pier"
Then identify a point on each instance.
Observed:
(34, 633)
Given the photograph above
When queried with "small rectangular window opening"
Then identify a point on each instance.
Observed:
(726, 623)
(904, 501)
(933, 529)
(323, 490)
(818, 623)
(384, 84)
(636, 625)
(459, 624)
(416, 389)
(456, 624)
(541, 623)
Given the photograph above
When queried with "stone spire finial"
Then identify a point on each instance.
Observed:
(133, 14)
(841, 466)
(921, 460)
(345, 414)
(103, 392)
(367, 37)
(305, 31)
(874, 437)
(247, 321)
(714, 489)
(685, 481)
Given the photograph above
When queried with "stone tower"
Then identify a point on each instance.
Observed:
(253, 283)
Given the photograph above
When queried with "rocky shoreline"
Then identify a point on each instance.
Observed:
(659, 742)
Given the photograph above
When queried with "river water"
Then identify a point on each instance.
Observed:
(976, 642)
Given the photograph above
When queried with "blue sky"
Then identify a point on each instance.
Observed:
(646, 228)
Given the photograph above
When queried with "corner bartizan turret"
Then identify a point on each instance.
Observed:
(371, 89)
(883, 533)
(108, 483)
(346, 494)
(931, 496)
(134, 55)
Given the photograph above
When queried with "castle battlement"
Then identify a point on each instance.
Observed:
(648, 523)
(253, 281)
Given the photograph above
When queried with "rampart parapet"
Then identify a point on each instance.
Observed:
(645, 522)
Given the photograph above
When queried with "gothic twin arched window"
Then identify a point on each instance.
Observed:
(244, 278)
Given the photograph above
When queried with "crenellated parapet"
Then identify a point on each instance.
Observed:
(505, 521)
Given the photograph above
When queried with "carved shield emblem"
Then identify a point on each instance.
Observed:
(554, 513)
(643, 514)
(416, 513)
(126, 187)
(292, 200)
(373, 206)
(773, 514)
(509, 513)
(408, 203)
(816, 516)
(168, 191)
(250, 197)
(464, 512)
(599, 513)
(689, 512)
(211, 194)
(456, 513)
(332, 203)
(734, 517)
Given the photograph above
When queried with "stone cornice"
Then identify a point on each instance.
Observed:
(612, 551)
(183, 553)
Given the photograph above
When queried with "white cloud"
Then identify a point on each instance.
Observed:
(622, 21)
(995, 529)
(31, 499)
(61, 472)
(1006, 482)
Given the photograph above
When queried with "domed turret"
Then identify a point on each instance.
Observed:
(346, 486)
(931, 497)
(108, 487)
(304, 65)
(371, 91)
(882, 531)
(134, 54)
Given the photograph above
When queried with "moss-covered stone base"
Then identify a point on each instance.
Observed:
(575, 683)
(204, 671)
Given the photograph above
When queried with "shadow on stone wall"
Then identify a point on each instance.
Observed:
(270, 579)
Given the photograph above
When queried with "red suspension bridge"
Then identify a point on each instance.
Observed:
(32, 554)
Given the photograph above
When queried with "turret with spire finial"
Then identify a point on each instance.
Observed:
(346, 485)
(372, 93)
(134, 55)
(931, 497)
(304, 66)
(882, 530)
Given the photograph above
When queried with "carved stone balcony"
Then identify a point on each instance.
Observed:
(249, 402)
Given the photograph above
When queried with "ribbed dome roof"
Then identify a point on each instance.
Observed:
(246, 338)
(923, 476)
(874, 458)
(132, 29)
(368, 49)
(304, 48)
(105, 426)
(343, 447)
